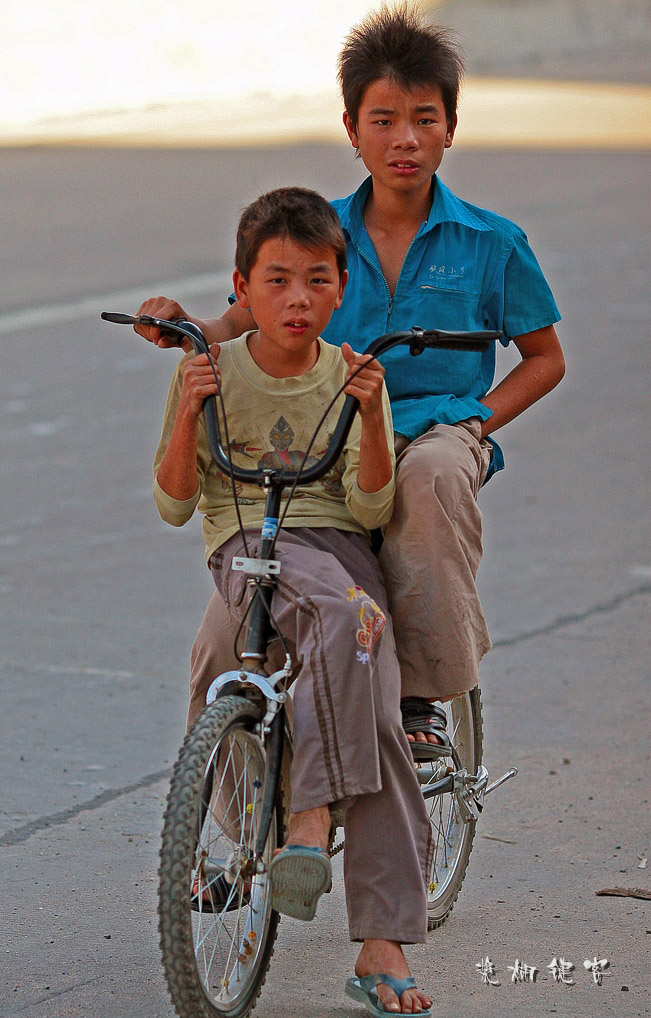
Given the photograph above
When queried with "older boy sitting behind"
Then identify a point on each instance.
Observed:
(350, 747)
(418, 254)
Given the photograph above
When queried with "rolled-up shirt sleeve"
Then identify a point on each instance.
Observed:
(372, 508)
(171, 510)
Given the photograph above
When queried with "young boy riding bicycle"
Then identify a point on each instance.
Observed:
(418, 255)
(350, 749)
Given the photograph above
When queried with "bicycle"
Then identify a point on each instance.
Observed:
(225, 808)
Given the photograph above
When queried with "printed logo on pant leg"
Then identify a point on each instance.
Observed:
(372, 619)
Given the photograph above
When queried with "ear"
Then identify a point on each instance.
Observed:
(241, 288)
(342, 286)
(449, 134)
(351, 129)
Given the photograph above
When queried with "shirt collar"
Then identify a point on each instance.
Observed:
(446, 208)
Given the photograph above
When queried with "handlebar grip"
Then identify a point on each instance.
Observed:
(119, 318)
(167, 328)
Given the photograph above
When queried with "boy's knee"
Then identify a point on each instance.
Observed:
(212, 651)
(439, 470)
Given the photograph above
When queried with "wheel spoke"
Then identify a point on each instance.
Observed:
(452, 837)
(225, 909)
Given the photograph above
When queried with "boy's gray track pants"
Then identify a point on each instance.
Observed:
(349, 744)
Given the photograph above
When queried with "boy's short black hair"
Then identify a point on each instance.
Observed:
(295, 212)
(398, 44)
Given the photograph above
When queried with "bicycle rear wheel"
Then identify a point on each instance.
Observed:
(452, 837)
(217, 927)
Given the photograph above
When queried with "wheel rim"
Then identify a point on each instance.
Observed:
(451, 836)
(230, 926)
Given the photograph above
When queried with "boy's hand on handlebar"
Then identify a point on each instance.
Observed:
(198, 382)
(168, 309)
(367, 385)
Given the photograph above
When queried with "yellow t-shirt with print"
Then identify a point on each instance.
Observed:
(270, 423)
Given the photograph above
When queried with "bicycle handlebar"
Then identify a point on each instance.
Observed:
(416, 338)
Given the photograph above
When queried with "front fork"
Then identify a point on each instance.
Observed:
(252, 681)
(252, 685)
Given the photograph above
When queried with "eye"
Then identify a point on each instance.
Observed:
(320, 281)
(276, 280)
(426, 121)
(382, 122)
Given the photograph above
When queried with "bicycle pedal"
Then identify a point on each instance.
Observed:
(511, 773)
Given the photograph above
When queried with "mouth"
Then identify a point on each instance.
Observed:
(297, 325)
(404, 166)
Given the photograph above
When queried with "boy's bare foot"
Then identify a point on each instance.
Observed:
(311, 828)
(386, 956)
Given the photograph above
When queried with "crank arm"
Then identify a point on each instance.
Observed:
(471, 800)
(470, 794)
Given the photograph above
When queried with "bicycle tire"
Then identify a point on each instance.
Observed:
(215, 959)
(453, 838)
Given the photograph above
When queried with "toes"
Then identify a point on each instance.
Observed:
(413, 1002)
(421, 737)
(410, 1003)
(388, 998)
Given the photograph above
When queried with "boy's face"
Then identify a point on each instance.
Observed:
(401, 135)
(292, 292)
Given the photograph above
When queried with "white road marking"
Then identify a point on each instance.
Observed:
(120, 300)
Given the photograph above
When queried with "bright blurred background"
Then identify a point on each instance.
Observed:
(206, 72)
(91, 55)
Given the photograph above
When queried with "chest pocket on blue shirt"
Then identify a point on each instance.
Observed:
(445, 303)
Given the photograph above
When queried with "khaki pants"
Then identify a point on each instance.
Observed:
(429, 558)
(349, 745)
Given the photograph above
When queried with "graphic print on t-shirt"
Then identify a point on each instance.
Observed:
(279, 457)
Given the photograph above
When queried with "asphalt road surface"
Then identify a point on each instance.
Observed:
(100, 600)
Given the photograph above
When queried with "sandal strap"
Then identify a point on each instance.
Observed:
(398, 986)
(419, 715)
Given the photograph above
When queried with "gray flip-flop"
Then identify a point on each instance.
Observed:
(363, 990)
(298, 876)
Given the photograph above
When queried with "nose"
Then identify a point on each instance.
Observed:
(297, 296)
(404, 136)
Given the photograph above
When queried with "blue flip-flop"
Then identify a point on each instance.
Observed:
(298, 876)
(363, 990)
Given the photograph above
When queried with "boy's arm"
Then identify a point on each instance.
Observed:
(541, 368)
(375, 469)
(368, 477)
(176, 467)
(232, 323)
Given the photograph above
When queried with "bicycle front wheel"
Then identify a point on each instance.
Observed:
(452, 836)
(217, 927)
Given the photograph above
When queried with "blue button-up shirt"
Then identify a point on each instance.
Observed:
(466, 268)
